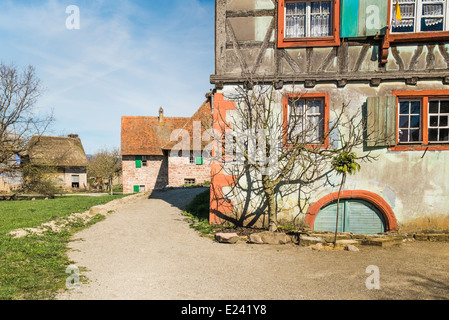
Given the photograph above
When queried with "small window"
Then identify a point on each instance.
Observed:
(410, 123)
(308, 23)
(75, 181)
(418, 16)
(142, 188)
(144, 161)
(306, 118)
(192, 158)
(422, 120)
(189, 181)
(308, 19)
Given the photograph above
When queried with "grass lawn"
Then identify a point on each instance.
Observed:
(197, 212)
(34, 267)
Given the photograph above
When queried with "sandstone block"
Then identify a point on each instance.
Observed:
(224, 237)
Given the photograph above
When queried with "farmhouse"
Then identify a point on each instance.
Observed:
(148, 162)
(64, 154)
(388, 63)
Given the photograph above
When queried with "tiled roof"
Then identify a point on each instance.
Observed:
(203, 115)
(147, 136)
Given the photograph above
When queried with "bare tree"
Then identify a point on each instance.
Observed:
(105, 165)
(19, 91)
(272, 152)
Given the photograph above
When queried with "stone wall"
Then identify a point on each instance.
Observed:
(152, 176)
(180, 168)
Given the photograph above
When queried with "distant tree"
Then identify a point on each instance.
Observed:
(19, 121)
(104, 166)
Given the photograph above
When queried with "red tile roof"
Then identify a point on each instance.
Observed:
(147, 136)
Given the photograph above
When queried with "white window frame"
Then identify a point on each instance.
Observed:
(306, 113)
(438, 127)
(308, 19)
(420, 141)
(418, 14)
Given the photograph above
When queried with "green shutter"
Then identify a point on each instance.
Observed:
(138, 161)
(349, 18)
(136, 188)
(381, 121)
(199, 160)
(362, 18)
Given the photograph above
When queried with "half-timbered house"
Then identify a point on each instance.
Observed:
(387, 58)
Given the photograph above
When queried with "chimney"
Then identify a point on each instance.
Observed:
(161, 115)
(73, 136)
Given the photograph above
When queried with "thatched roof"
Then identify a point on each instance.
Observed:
(56, 151)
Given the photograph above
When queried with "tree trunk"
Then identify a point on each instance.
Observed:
(110, 185)
(343, 179)
(269, 195)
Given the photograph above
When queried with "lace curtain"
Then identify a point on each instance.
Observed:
(308, 19)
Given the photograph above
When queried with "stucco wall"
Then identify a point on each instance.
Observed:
(415, 184)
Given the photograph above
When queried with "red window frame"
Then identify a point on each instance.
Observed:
(333, 40)
(424, 95)
(317, 95)
(408, 37)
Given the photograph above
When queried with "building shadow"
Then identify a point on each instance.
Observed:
(177, 197)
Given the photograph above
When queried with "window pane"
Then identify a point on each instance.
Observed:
(444, 134)
(408, 18)
(415, 107)
(403, 135)
(444, 106)
(432, 9)
(443, 121)
(432, 24)
(404, 107)
(433, 107)
(314, 106)
(433, 121)
(433, 134)
(414, 121)
(403, 122)
(295, 20)
(414, 135)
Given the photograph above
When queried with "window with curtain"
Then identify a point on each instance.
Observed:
(419, 16)
(308, 19)
(306, 118)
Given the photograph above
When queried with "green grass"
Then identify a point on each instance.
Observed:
(197, 212)
(33, 267)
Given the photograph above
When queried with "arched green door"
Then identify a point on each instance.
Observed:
(356, 216)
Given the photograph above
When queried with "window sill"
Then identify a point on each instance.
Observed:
(308, 42)
(420, 147)
(418, 36)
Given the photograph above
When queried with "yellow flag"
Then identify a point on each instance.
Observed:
(397, 10)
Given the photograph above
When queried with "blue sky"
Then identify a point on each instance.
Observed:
(129, 57)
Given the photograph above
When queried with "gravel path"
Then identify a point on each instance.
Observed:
(146, 250)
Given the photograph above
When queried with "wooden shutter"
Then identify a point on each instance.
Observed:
(138, 161)
(136, 188)
(199, 160)
(381, 121)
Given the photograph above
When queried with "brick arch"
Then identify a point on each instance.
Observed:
(374, 199)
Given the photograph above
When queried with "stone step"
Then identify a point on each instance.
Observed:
(382, 241)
